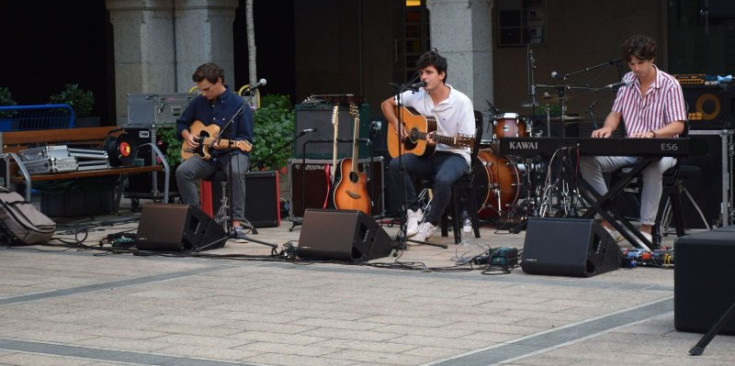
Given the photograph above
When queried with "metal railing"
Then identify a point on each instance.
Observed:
(36, 117)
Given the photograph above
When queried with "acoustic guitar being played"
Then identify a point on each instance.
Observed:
(206, 136)
(350, 191)
(418, 126)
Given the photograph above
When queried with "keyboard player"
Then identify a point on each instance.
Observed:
(651, 104)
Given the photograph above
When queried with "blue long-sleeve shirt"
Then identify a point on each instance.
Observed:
(219, 112)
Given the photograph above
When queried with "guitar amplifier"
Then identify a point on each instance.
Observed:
(309, 184)
(318, 116)
(710, 107)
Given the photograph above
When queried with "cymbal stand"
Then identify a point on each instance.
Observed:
(530, 66)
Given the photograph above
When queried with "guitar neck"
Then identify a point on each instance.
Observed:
(335, 123)
(446, 140)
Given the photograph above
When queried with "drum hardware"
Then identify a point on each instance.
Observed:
(567, 118)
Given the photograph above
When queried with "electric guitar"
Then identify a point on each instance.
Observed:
(350, 191)
(206, 136)
(418, 127)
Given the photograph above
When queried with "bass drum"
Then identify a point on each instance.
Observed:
(502, 188)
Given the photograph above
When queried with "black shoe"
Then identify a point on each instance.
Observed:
(239, 233)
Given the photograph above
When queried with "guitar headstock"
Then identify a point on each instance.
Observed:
(353, 111)
(335, 115)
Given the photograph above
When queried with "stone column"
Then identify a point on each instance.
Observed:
(461, 31)
(203, 31)
(159, 43)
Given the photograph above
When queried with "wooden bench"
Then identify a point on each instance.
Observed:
(12, 142)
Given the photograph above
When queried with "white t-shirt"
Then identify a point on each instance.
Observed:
(454, 115)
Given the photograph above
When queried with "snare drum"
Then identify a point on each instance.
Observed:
(497, 183)
(509, 125)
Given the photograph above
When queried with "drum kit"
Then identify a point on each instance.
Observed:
(512, 188)
(507, 187)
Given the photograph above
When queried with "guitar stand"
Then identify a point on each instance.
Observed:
(295, 221)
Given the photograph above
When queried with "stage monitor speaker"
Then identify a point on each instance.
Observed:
(177, 228)
(703, 280)
(710, 107)
(342, 235)
(568, 247)
(318, 116)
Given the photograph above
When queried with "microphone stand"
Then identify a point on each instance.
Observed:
(233, 154)
(401, 236)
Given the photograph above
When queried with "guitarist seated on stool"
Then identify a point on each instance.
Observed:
(216, 105)
(454, 115)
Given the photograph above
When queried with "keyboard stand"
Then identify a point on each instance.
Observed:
(603, 204)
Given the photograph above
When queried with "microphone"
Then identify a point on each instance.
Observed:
(260, 83)
(307, 130)
(617, 85)
(375, 127)
(556, 75)
(418, 85)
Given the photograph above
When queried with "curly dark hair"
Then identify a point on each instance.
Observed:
(433, 58)
(640, 46)
(209, 71)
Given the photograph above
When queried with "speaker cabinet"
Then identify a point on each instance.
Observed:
(704, 269)
(262, 201)
(340, 235)
(309, 184)
(177, 228)
(319, 143)
(568, 247)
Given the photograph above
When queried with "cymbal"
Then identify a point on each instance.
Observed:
(530, 103)
(567, 118)
(553, 98)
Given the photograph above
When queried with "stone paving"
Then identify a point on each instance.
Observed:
(74, 305)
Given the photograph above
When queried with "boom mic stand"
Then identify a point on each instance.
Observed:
(234, 155)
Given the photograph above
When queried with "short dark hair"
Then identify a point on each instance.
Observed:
(433, 58)
(640, 46)
(209, 71)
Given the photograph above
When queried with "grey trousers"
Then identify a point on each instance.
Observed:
(592, 168)
(195, 168)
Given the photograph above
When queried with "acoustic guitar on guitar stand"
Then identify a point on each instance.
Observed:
(350, 191)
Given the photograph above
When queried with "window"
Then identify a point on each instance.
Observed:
(521, 22)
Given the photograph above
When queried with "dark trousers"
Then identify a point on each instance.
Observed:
(443, 168)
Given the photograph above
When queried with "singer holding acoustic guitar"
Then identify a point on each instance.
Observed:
(651, 104)
(213, 109)
(454, 115)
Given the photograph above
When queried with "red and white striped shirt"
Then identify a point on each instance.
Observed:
(662, 104)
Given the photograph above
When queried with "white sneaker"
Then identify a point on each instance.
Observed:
(614, 234)
(467, 225)
(645, 235)
(412, 222)
(425, 231)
